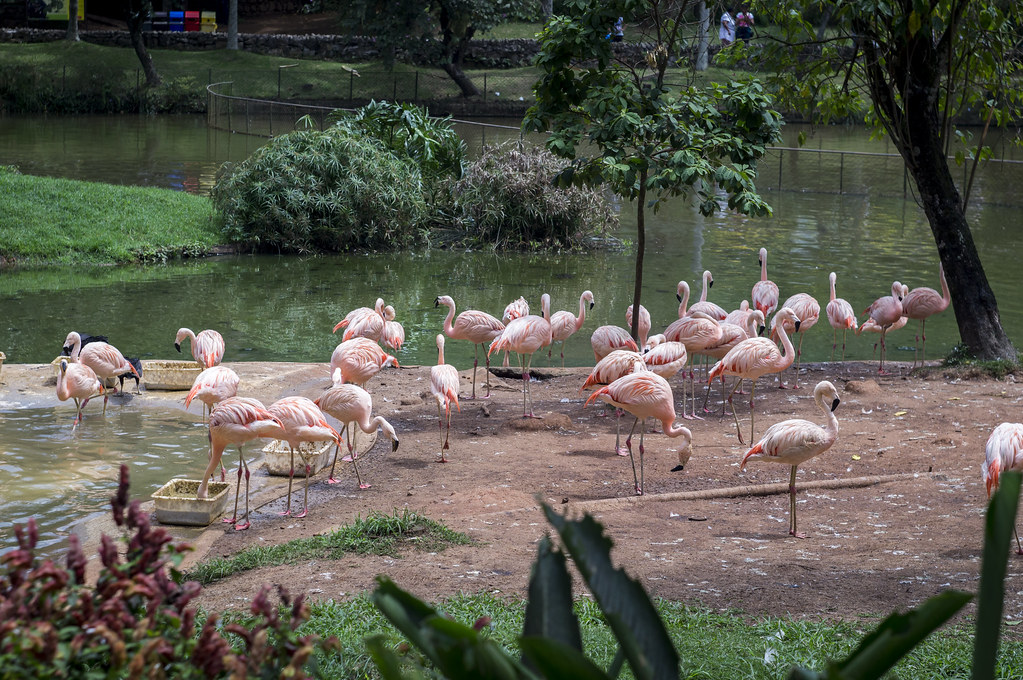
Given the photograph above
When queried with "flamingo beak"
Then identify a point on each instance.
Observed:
(761, 330)
(797, 326)
(436, 303)
(678, 297)
(394, 446)
(177, 346)
(835, 403)
(591, 305)
(683, 457)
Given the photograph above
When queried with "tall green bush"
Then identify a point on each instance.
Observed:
(508, 199)
(322, 190)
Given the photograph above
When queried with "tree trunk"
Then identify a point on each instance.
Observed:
(72, 21)
(232, 25)
(640, 250)
(135, 21)
(546, 9)
(703, 40)
(463, 81)
(973, 301)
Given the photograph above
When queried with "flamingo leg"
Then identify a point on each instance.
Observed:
(305, 498)
(337, 449)
(618, 434)
(488, 377)
(237, 490)
(632, 459)
(738, 429)
(799, 356)
(358, 476)
(1019, 548)
(440, 430)
(563, 353)
(475, 363)
(447, 431)
(291, 477)
(844, 331)
(834, 343)
(792, 505)
(752, 412)
(923, 336)
(244, 525)
(642, 479)
(880, 370)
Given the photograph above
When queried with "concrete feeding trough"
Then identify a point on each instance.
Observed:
(170, 375)
(176, 502)
(277, 457)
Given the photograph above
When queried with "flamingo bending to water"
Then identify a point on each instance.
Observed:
(78, 382)
(840, 316)
(444, 388)
(645, 394)
(1004, 451)
(565, 324)
(475, 326)
(352, 404)
(237, 420)
(753, 358)
(793, 441)
(303, 422)
(921, 303)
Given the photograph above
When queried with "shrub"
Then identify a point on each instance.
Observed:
(330, 190)
(507, 199)
(136, 621)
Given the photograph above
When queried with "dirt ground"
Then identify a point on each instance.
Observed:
(901, 521)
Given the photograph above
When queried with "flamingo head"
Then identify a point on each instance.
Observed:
(72, 339)
(588, 296)
(686, 452)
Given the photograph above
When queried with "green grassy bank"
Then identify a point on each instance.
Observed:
(58, 221)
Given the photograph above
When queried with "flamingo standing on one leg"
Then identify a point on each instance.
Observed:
(606, 339)
(885, 311)
(357, 360)
(921, 303)
(212, 386)
(711, 309)
(793, 441)
(618, 363)
(303, 421)
(103, 358)
(753, 358)
(207, 346)
(808, 310)
(475, 326)
(565, 324)
(524, 336)
(78, 382)
(645, 394)
(642, 328)
(1004, 451)
(352, 404)
(444, 388)
(237, 420)
(765, 291)
(840, 316)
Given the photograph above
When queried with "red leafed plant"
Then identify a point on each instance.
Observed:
(135, 621)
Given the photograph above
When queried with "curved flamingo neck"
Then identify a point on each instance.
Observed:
(579, 320)
(545, 306)
(448, 327)
(703, 293)
(832, 424)
(946, 297)
(789, 351)
(440, 353)
(76, 348)
(832, 279)
(763, 264)
(672, 431)
(684, 288)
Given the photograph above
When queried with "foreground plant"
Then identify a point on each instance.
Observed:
(136, 620)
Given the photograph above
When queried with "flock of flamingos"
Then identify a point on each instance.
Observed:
(631, 376)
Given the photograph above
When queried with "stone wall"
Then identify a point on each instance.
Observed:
(489, 54)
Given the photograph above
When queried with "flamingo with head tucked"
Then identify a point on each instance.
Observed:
(792, 442)
(642, 327)
(207, 346)
(606, 339)
(765, 291)
(565, 324)
(645, 394)
(1004, 451)
(475, 326)
(922, 303)
(524, 336)
(357, 360)
(351, 404)
(840, 316)
(393, 334)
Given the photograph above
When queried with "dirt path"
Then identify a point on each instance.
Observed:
(894, 515)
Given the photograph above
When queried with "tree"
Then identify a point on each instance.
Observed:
(637, 132)
(72, 21)
(913, 70)
(138, 12)
(438, 30)
(232, 24)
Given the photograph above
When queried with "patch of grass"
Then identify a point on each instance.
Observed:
(960, 363)
(58, 221)
(376, 534)
(711, 644)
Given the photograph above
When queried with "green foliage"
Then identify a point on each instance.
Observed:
(57, 221)
(552, 645)
(963, 360)
(507, 199)
(377, 534)
(184, 94)
(136, 620)
(332, 190)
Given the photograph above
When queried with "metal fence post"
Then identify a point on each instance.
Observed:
(841, 172)
(781, 157)
(484, 86)
(351, 84)
(394, 88)
(415, 98)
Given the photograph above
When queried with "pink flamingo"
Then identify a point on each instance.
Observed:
(697, 331)
(207, 346)
(358, 360)
(237, 420)
(303, 422)
(475, 326)
(524, 336)
(709, 308)
(363, 322)
(103, 358)
(642, 328)
(840, 316)
(212, 386)
(753, 358)
(565, 324)
(738, 316)
(808, 310)
(765, 292)
(606, 339)
(665, 358)
(921, 303)
(352, 404)
(78, 382)
(444, 388)
(393, 334)
(682, 295)
(793, 441)
(645, 394)
(514, 310)
(1004, 451)
(617, 363)
(731, 335)
(870, 326)
(885, 311)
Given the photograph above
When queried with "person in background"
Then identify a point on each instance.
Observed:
(727, 30)
(618, 32)
(744, 25)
